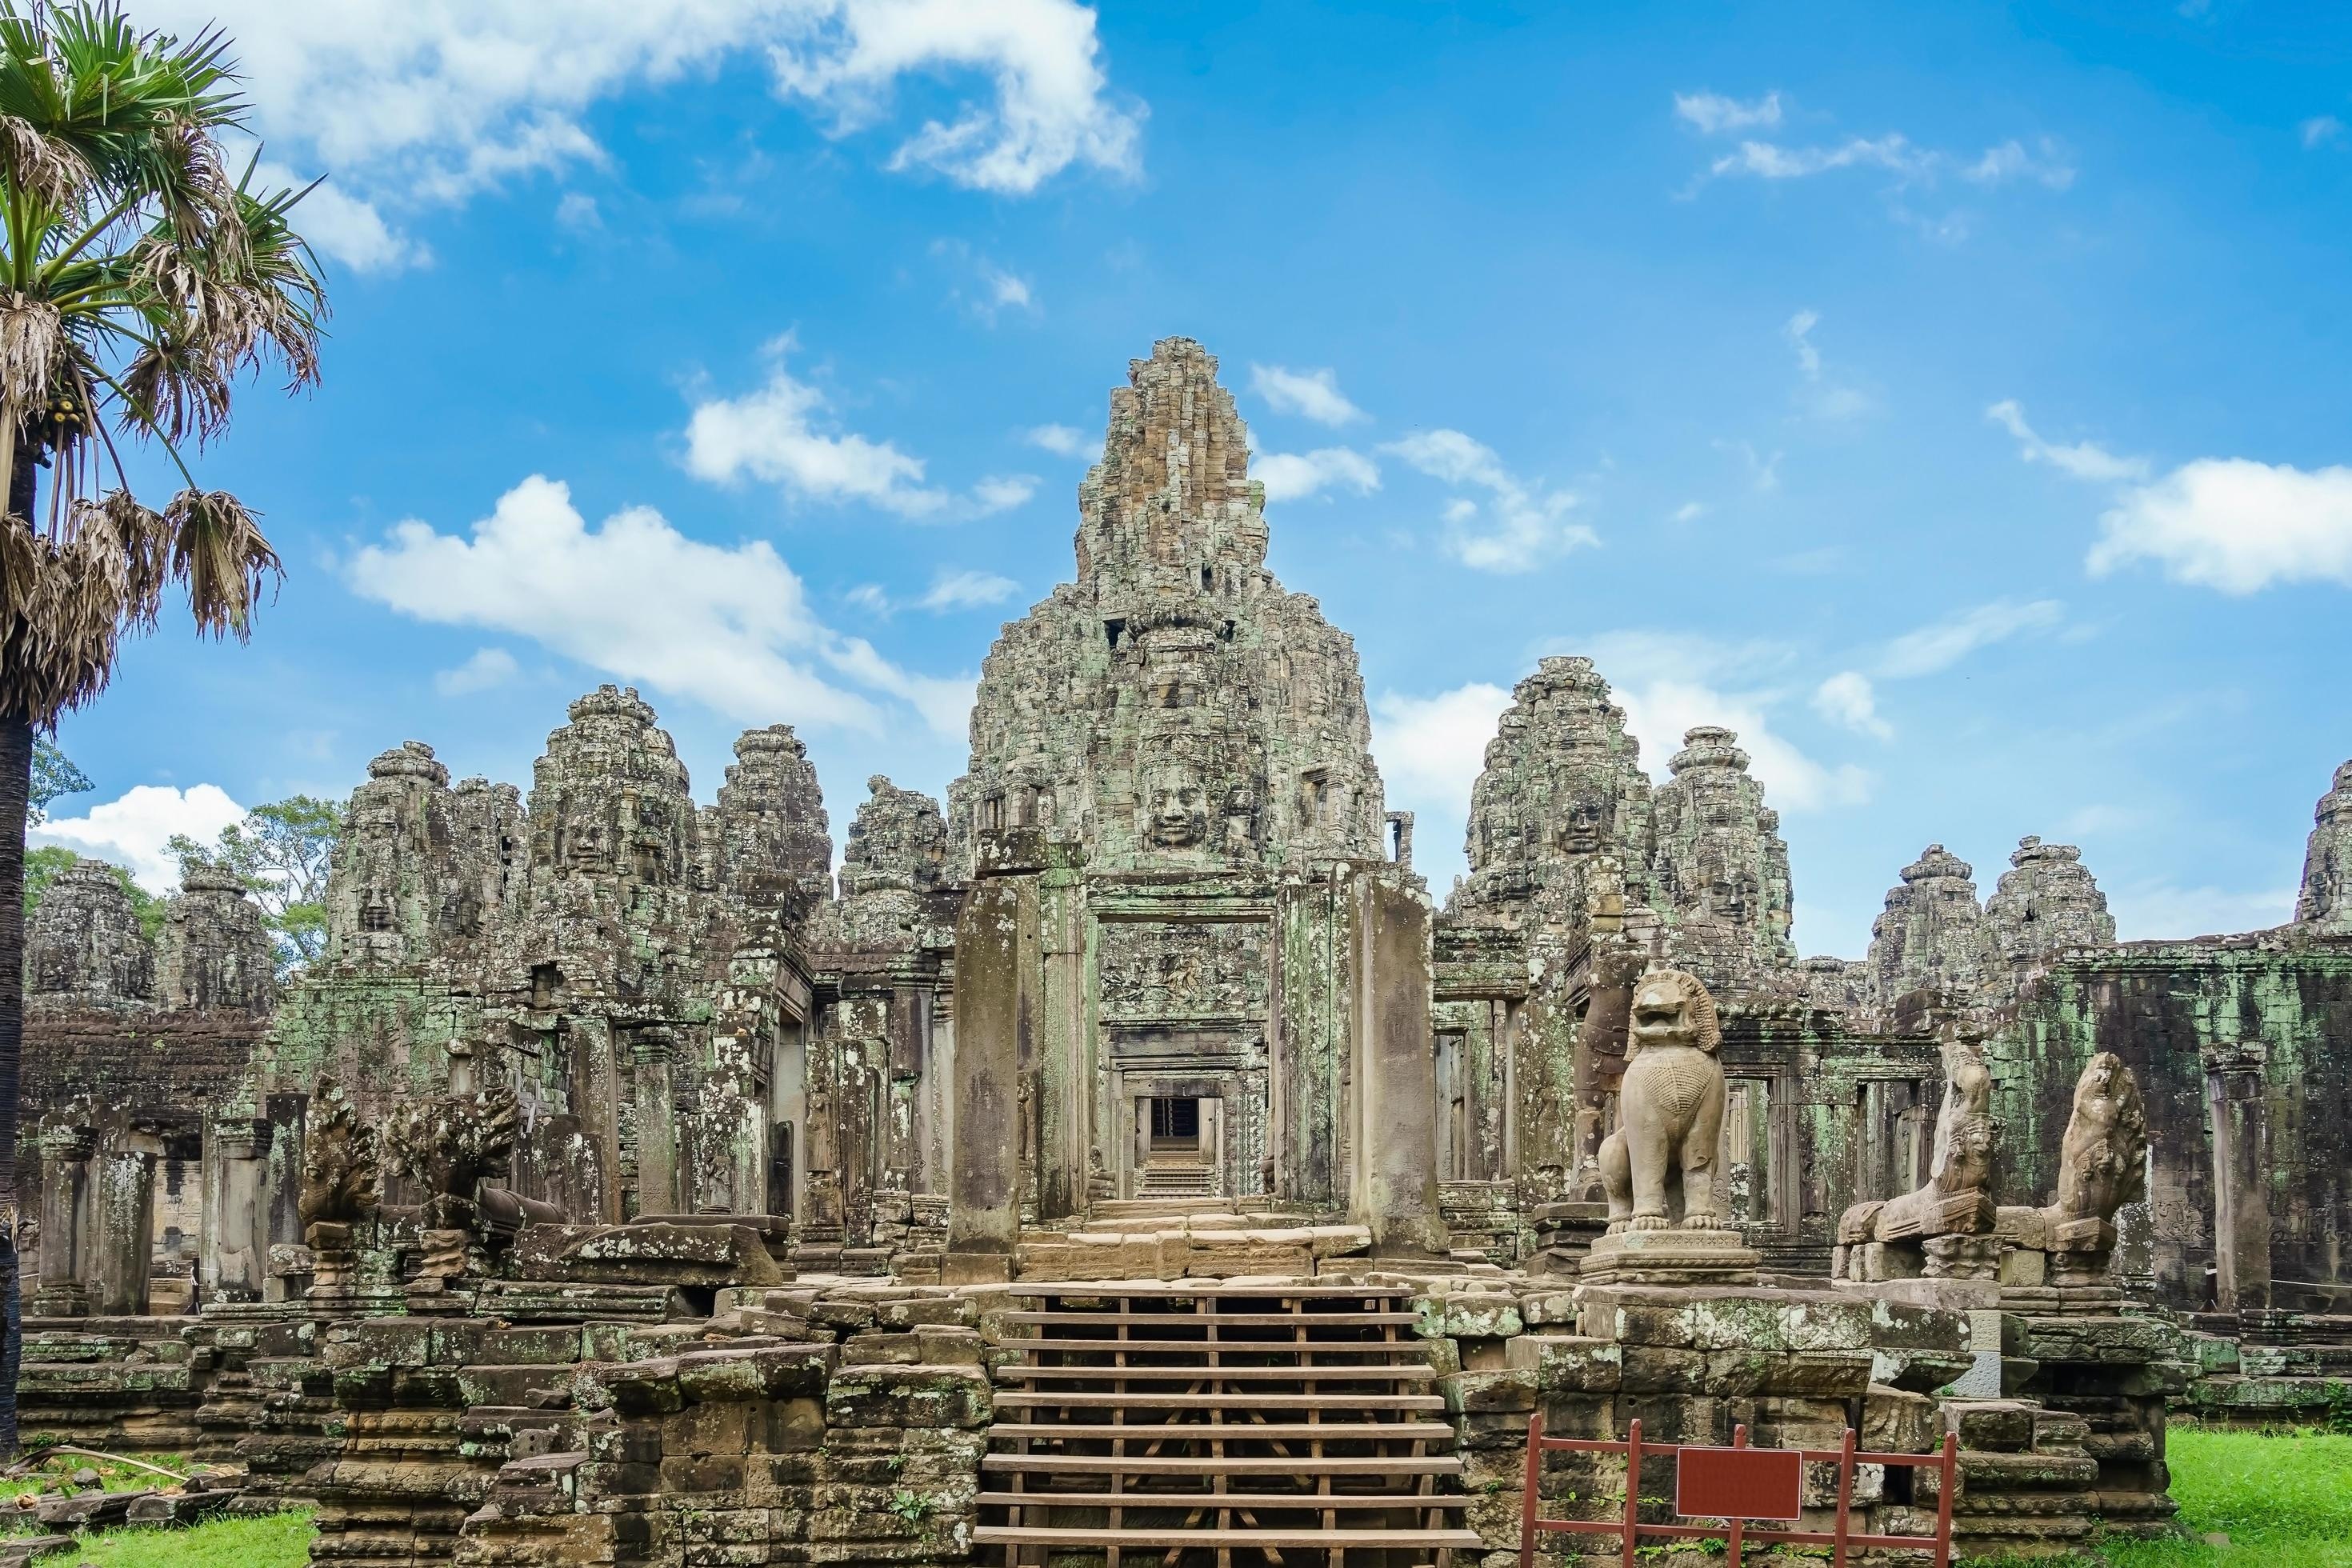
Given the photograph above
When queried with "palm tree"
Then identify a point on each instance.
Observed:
(140, 279)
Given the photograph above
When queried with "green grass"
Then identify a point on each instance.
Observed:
(2284, 1501)
(277, 1541)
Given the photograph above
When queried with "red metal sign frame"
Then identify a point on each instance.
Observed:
(1736, 1532)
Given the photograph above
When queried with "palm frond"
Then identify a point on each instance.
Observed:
(219, 556)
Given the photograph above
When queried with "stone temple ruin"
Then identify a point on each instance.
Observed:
(1131, 1155)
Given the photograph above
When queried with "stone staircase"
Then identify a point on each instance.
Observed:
(1176, 1179)
(1267, 1422)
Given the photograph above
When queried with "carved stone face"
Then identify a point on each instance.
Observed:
(1176, 808)
(1581, 836)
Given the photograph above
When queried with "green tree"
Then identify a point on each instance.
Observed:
(280, 852)
(141, 280)
(43, 865)
(54, 778)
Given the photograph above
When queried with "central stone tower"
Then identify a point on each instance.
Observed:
(1182, 921)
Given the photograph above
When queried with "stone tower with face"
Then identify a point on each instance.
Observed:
(1173, 706)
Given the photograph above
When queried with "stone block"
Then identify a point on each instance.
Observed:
(909, 1396)
(1823, 1373)
(1569, 1363)
(1992, 1425)
(1487, 1393)
(1661, 1369)
(1896, 1421)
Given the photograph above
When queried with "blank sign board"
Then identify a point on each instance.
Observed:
(1739, 1483)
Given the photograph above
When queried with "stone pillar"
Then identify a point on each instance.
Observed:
(122, 1238)
(236, 1258)
(1395, 1188)
(1065, 1082)
(66, 1203)
(993, 1009)
(657, 1111)
(2236, 1097)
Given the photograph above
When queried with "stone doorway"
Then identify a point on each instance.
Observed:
(1179, 1144)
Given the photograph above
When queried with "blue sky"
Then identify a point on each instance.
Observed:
(1949, 397)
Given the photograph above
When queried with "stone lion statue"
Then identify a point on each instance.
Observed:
(1669, 1109)
(2102, 1160)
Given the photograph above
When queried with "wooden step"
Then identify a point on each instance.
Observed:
(1238, 1535)
(1181, 1289)
(1223, 1347)
(1335, 1502)
(1223, 1319)
(1254, 1431)
(1247, 1399)
(1025, 1372)
(1202, 1465)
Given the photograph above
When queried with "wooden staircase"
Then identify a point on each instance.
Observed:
(1273, 1424)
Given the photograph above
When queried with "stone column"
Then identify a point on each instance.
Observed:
(993, 1009)
(122, 1238)
(657, 1111)
(236, 1260)
(1395, 1188)
(67, 1201)
(2236, 1097)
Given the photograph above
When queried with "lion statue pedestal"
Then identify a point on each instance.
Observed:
(1666, 1223)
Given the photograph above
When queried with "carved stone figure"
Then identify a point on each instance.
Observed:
(1671, 1110)
(339, 1162)
(1916, 1233)
(2102, 1160)
(1176, 809)
(449, 1145)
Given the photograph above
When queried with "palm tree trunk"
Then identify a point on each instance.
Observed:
(16, 797)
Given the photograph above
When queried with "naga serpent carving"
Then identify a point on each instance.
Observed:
(1669, 1109)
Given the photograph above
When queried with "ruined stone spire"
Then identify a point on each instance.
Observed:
(609, 799)
(2047, 901)
(1173, 707)
(1562, 783)
(420, 865)
(1932, 933)
(898, 842)
(1721, 867)
(214, 951)
(775, 844)
(2325, 901)
(83, 943)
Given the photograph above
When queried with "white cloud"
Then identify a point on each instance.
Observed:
(967, 590)
(578, 212)
(2011, 161)
(1052, 108)
(343, 228)
(1311, 393)
(2045, 163)
(1429, 751)
(1294, 475)
(1847, 699)
(1800, 329)
(1712, 113)
(730, 628)
(133, 831)
(1936, 648)
(489, 667)
(1763, 470)
(1517, 527)
(2321, 129)
(1672, 682)
(984, 287)
(2085, 459)
(412, 102)
(2231, 524)
(1062, 440)
(1770, 161)
(2234, 524)
(2156, 911)
(1689, 511)
(772, 434)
